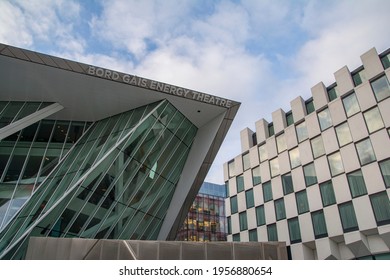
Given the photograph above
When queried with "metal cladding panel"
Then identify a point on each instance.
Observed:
(42, 248)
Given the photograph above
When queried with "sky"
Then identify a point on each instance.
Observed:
(262, 53)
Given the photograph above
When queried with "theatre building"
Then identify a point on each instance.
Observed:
(93, 153)
(318, 176)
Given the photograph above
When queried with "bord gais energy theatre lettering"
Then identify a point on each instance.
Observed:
(162, 87)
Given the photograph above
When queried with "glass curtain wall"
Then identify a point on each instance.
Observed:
(116, 182)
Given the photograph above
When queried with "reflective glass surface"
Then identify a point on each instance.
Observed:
(117, 181)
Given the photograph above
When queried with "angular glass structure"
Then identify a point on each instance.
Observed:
(105, 170)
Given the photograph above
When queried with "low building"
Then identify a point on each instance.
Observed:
(206, 219)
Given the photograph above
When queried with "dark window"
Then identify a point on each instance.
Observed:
(381, 206)
(287, 184)
(327, 193)
(267, 191)
(233, 204)
(302, 202)
(356, 183)
(240, 183)
(243, 221)
(319, 224)
(294, 230)
(260, 215)
(250, 201)
(280, 209)
(348, 217)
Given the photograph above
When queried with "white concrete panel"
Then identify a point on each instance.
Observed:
(290, 205)
(357, 243)
(254, 156)
(258, 194)
(333, 222)
(238, 165)
(381, 142)
(305, 152)
(357, 126)
(373, 178)
(337, 112)
(384, 108)
(330, 140)
(365, 96)
(246, 139)
(225, 172)
(384, 232)
(343, 80)
(314, 198)
(320, 95)
(241, 201)
(251, 216)
(271, 147)
(248, 184)
(269, 210)
(350, 158)
(376, 244)
(313, 127)
(235, 223)
(232, 186)
(327, 249)
(298, 179)
(306, 225)
(371, 63)
(282, 229)
(341, 189)
(284, 162)
(262, 234)
(277, 187)
(298, 108)
(264, 171)
(227, 207)
(321, 164)
(364, 213)
(261, 130)
(279, 120)
(291, 137)
(301, 252)
(345, 252)
(244, 236)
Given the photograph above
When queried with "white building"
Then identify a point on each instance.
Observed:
(318, 176)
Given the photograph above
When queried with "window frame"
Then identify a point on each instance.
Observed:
(359, 150)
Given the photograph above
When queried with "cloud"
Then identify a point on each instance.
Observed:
(261, 53)
(13, 26)
(46, 24)
(339, 36)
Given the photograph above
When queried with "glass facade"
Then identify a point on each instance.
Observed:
(343, 134)
(309, 172)
(281, 143)
(324, 119)
(206, 219)
(317, 146)
(301, 130)
(365, 151)
(335, 163)
(116, 181)
(351, 104)
(348, 217)
(381, 88)
(356, 183)
(373, 119)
